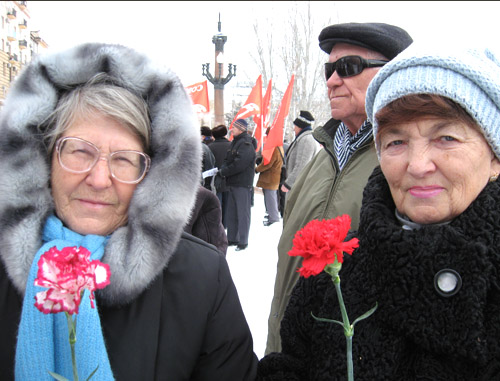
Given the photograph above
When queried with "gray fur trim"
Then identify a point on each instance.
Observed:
(162, 202)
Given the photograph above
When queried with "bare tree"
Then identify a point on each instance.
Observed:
(299, 54)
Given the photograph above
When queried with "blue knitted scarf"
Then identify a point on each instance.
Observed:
(42, 343)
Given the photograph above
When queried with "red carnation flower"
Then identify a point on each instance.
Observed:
(320, 243)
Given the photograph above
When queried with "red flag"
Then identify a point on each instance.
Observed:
(275, 136)
(253, 103)
(262, 120)
(199, 96)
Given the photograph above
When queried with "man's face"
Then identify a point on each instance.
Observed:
(296, 130)
(347, 95)
(236, 131)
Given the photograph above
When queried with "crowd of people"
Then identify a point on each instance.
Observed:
(101, 149)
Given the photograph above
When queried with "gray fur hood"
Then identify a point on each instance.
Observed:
(162, 202)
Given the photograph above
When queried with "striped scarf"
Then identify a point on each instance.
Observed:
(345, 144)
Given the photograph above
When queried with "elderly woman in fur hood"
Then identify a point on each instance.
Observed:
(100, 149)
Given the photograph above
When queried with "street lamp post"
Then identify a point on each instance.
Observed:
(218, 80)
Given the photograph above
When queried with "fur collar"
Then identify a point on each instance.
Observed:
(162, 202)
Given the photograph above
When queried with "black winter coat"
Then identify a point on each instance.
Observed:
(208, 162)
(184, 317)
(219, 148)
(239, 164)
(416, 333)
(206, 220)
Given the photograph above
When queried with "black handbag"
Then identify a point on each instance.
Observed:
(283, 168)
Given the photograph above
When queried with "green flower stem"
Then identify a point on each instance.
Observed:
(350, 367)
(72, 341)
(348, 329)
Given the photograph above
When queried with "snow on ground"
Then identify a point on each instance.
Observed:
(253, 271)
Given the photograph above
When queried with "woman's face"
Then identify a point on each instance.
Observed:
(435, 167)
(94, 202)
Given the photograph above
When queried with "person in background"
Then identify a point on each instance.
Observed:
(206, 135)
(208, 162)
(331, 184)
(219, 148)
(100, 150)
(258, 154)
(269, 180)
(205, 221)
(301, 150)
(281, 194)
(429, 234)
(238, 169)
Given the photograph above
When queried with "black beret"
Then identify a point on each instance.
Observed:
(386, 39)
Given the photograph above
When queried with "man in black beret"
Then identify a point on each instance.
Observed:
(332, 182)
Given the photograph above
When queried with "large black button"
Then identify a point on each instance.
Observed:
(447, 282)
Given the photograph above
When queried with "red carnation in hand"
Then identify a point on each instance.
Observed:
(320, 243)
(66, 273)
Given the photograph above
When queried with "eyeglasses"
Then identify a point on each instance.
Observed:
(349, 66)
(79, 156)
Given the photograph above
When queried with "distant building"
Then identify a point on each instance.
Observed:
(18, 42)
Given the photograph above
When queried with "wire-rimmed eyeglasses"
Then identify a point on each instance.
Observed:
(79, 156)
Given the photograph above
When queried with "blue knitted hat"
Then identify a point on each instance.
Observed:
(241, 124)
(468, 76)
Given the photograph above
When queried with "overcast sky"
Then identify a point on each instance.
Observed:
(179, 34)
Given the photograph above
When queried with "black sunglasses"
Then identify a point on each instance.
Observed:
(349, 66)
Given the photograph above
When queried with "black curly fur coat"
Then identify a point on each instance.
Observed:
(415, 334)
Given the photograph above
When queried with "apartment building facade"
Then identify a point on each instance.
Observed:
(19, 43)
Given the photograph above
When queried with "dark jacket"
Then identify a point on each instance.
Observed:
(183, 316)
(416, 333)
(239, 164)
(206, 220)
(170, 310)
(219, 148)
(208, 162)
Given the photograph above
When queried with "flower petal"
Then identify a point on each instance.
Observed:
(66, 273)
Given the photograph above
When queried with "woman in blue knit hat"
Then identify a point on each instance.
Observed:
(429, 235)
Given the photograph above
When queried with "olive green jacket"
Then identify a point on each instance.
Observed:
(321, 191)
